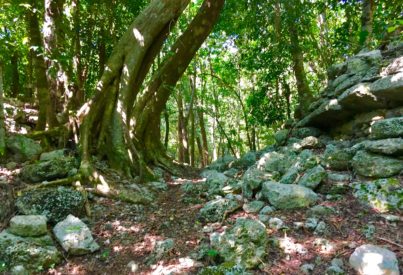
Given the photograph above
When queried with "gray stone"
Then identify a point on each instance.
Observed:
(253, 206)
(157, 186)
(244, 162)
(396, 66)
(11, 165)
(49, 170)
(275, 162)
(276, 223)
(390, 146)
(281, 136)
(55, 204)
(52, 155)
(74, 236)
(336, 158)
(360, 98)
(245, 243)
(335, 178)
(33, 253)
(321, 228)
(23, 148)
(215, 210)
(288, 196)
(222, 164)
(28, 226)
(254, 177)
(311, 223)
(370, 259)
(264, 218)
(306, 160)
(313, 177)
(310, 143)
(161, 249)
(291, 176)
(390, 88)
(377, 166)
(334, 270)
(19, 270)
(266, 210)
(307, 268)
(387, 128)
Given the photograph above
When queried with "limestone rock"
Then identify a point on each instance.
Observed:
(222, 164)
(49, 170)
(288, 196)
(28, 225)
(337, 158)
(377, 166)
(390, 146)
(244, 162)
(313, 177)
(52, 155)
(215, 210)
(281, 136)
(310, 143)
(244, 243)
(33, 253)
(23, 148)
(387, 128)
(74, 236)
(291, 176)
(253, 206)
(371, 259)
(304, 132)
(55, 204)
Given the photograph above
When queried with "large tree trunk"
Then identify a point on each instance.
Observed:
(46, 116)
(121, 121)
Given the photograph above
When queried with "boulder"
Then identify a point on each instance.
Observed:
(288, 196)
(28, 225)
(244, 162)
(310, 143)
(245, 243)
(33, 253)
(291, 176)
(390, 146)
(23, 148)
(49, 170)
(276, 162)
(253, 206)
(74, 236)
(377, 166)
(254, 177)
(370, 259)
(55, 204)
(382, 194)
(337, 158)
(281, 136)
(387, 128)
(389, 88)
(215, 210)
(313, 177)
(222, 164)
(56, 154)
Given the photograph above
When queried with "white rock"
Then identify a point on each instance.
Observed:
(370, 259)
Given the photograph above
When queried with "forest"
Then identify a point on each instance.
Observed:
(201, 137)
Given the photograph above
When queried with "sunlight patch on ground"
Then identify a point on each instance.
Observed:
(289, 246)
(177, 268)
(181, 181)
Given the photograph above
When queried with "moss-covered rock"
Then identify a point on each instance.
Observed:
(337, 158)
(22, 148)
(313, 177)
(50, 170)
(215, 210)
(244, 244)
(34, 253)
(376, 166)
(55, 204)
(387, 128)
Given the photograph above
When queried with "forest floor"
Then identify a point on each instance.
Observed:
(127, 234)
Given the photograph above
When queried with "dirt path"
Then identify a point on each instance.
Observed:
(127, 234)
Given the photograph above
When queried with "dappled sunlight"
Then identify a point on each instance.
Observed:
(179, 267)
(289, 246)
(138, 36)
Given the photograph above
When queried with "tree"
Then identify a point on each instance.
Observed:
(367, 16)
(47, 116)
(123, 121)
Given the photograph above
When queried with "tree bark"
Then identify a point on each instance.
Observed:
(46, 116)
(367, 18)
(2, 118)
(15, 75)
(304, 92)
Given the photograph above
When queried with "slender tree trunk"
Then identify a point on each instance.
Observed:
(15, 75)
(182, 135)
(166, 138)
(192, 138)
(78, 96)
(2, 118)
(205, 154)
(367, 18)
(46, 116)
